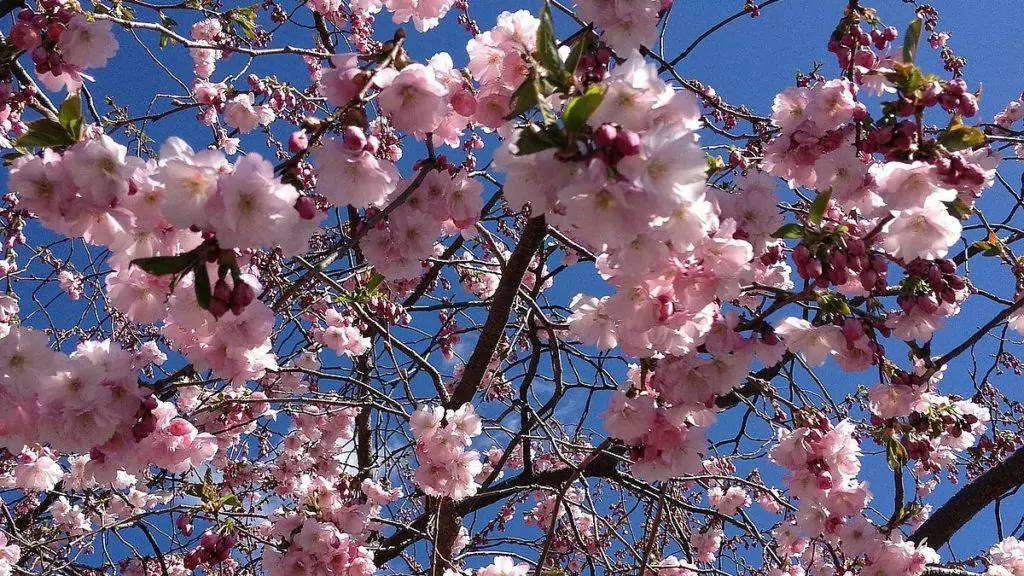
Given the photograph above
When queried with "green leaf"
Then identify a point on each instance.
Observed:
(70, 117)
(547, 46)
(533, 139)
(818, 207)
(911, 41)
(164, 265)
(525, 97)
(960, 137)
(579, 109)
(202, 285)
(959, 209)
(231, 500)
(246, 20)
(374, 283)
(987, 248)
(895, 453)
(789, 231)
(579, 48)
(45, 133)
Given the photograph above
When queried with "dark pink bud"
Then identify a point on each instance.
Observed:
(628, 143)
(927, 305)
(464, 103)
(192, 559)
(25, 37)
(218, 307)
(354, 138)
(868, 279)
(968, 105)
(55, 30)
(243, 294)
(298, 141)
(209, 539)
(144, 427)
(956, 87)
(305, 207)
(604, 136)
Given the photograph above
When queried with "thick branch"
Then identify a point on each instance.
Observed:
(501, 308)
(971, 499)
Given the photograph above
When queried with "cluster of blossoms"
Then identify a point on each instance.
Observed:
(554, 516)
(688, 260)
(932, 428)
(184, 201)
(310, 469)
(342, 335)
(204, 60)
(658, 235)
(425, 14)
(1007, 558)
(441, 205)
(823, 462)
(63, 43)
(88, 402)
(497, 62)
(309, 546)
(446, 468)
(213, 549)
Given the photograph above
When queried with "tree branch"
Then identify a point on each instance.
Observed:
(501, 308)
(971, 499)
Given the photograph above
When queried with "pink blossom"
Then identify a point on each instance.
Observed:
(425, 14)
(353, 178)
(628, 418)
(926, 233)
(413, 98)
(242, 112)
(813, 343)
(87, 44)
(37, 474)
(504, 566)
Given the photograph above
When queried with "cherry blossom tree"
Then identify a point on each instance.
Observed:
(543, 306)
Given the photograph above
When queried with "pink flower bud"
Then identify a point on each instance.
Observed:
(354, 138)
(604, 136)
(209, 539)
(464, 103)
(25, 37)
(243, 294)
(628, 143)
(305, 207)
(298, 141)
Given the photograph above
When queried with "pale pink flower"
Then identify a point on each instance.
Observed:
(425, 14)
(926, 233)
(242, 112)
(87, 44)
(813, 343)
(38, 474)
(358, 179)
(413, 98)
(504, 566)
(591, 323)
(628, 419)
